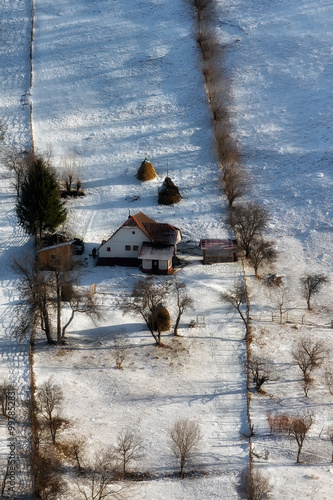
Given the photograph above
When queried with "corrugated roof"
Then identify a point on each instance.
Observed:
(162, 233)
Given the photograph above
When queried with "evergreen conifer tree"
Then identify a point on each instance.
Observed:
(39, 207)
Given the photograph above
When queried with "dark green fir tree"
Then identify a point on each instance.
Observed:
(39, 207)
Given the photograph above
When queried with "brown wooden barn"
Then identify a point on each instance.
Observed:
(56, 256)
(215, 251)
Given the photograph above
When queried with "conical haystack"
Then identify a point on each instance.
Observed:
(146, 171)
(168, 193)
(162, 319)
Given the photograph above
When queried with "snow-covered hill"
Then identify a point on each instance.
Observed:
(116, 81)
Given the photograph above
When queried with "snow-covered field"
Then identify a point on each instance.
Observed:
(114, 82)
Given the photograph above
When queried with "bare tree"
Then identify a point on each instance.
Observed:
(299, 428)
(47, 481)
(248, 220)
(309, 355)
(74, 449)
(6, 393)
(147, 295)
(225, 144)
(81, 302)
(57, 423)
(261, 251)
(119, 351)
(235, 181)
(36, 292)
(62, 275)
(260, 371)
(71, 166)
(49, 398)
(237, 298)
(329, 381)
(201, 6)
(280, 296)
(2, 131)
(101, 478)
(184, 301)
(329, 434)
(218, 96)
(18, 162)
(307, 383)
(129, 448)
(311, 285)
(185, 438)
(254, 485)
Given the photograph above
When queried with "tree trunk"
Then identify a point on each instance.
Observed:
(58, 291)
(67, 324)
(182, 465)
(175, 330)
(244, 321)
(45, 324)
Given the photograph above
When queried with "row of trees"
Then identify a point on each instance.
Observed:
(248, 220)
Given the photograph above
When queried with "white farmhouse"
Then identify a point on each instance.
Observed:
(141, 241)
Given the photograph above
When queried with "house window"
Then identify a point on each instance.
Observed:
(136, 248)
(108, 249)
(128, 248)
(133, 232)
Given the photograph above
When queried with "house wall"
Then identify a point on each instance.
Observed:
(130, 236)
(164, 266)
(214, 257)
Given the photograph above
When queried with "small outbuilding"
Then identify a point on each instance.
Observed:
(215, 251)
(56, 256)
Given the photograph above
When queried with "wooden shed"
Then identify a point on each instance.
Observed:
(56, 256)
(215, 251)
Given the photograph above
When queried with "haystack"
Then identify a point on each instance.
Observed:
(162, 318)
(168, 193)
(146, 171)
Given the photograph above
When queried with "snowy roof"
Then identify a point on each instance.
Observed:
(51, 247)
(156, 252)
